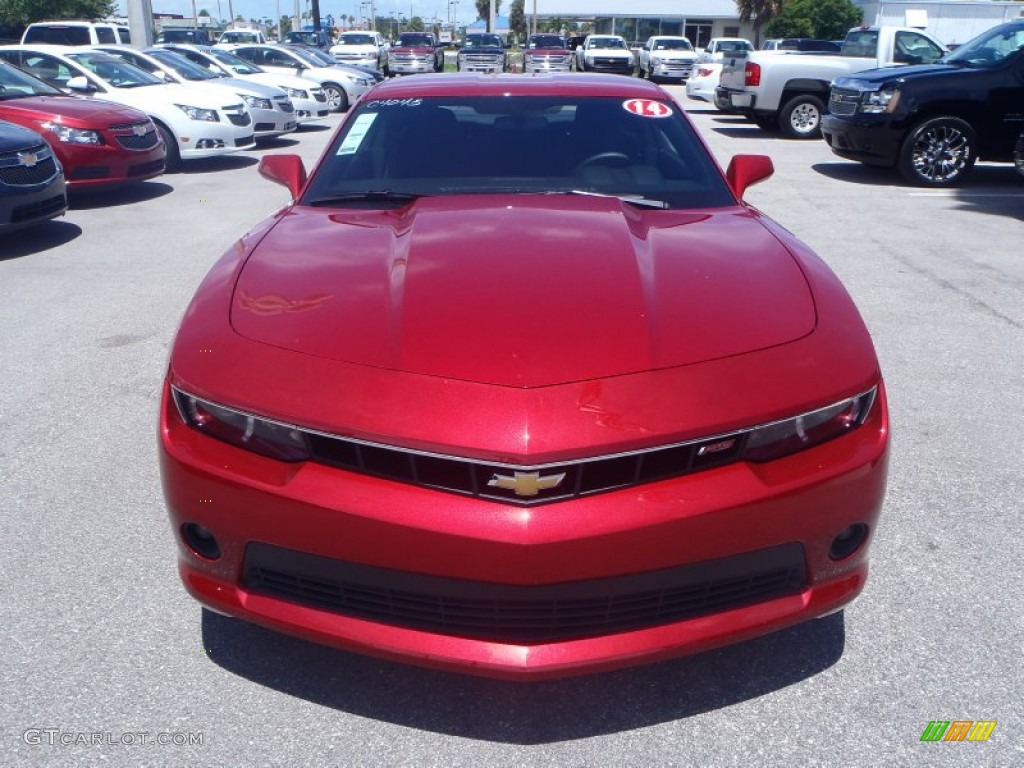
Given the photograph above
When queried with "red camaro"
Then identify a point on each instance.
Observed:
(100, 144)
(518, 386)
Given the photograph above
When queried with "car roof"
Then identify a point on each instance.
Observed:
(554, 84)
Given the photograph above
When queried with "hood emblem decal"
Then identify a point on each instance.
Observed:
(526, 483)
(28, 159)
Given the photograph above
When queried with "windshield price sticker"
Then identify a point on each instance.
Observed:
(647, 108)
(357, 133)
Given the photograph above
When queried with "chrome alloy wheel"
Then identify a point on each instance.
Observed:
(941, 153)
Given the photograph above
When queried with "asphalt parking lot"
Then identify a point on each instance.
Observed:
(106, 657)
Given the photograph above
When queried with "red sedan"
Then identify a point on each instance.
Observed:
(100, 144)
(519, 386)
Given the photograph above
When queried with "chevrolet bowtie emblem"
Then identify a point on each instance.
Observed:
(526, 483)
(139, 130)
(28, 159)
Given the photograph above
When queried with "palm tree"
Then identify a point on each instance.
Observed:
(760, 12)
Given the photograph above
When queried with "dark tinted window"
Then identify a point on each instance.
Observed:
(520, 144)
(105, 36)
(58, 35)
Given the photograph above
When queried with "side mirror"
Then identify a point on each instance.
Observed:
(80, 83)
(286, 170)
(746, 170)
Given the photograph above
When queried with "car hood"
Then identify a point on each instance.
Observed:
(84, 113)
(277, 80)
(14, 138)
(411, 49)
(483, 49)
(874, 77)
(521, 290)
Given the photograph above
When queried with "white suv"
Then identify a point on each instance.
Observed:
(76, 33)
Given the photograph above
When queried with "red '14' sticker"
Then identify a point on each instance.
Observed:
(647, 108)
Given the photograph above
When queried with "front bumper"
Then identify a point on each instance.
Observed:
(268, 123)
(869, 139)
(126, 157)
(281, 525)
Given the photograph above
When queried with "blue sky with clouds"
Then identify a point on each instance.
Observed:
(260, 9)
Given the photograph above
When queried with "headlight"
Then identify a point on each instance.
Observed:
(876, 102)
(361, 81)
(296, 93)
(255, 102)
(270, 438)
(198, 113)
(68, 135)
(655, 60)
(781, 438)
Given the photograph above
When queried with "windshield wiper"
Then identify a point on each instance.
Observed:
(370, 196)
(639, 202)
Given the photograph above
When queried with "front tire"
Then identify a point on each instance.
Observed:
(800, 118)
(173, 162)
(337, 99)
(938, 153)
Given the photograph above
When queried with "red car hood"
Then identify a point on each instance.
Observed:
(80, 113)
(520, 290)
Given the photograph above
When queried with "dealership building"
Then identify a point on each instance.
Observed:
(952, 21)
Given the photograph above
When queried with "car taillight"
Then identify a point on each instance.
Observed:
(705, 72)
(253, 433)
(781, 438)
(752, 73)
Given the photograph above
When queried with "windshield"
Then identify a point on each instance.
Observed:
(862, 43)
(733, 46)
(306, 56)
(181, 65)
(15, 84)
(235, 63)
(480, 41)
(989, 49)
(607, 42)
(663, 44)
(457, 145)
(546, 41)
(412, 40)
(113, 71)
(356, 40)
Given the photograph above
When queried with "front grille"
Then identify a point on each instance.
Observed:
(145, 169)
(285, 105)
(239, 118)
(482, 58)
(131, 141)
(485, 480)
(524, 614)
(41, 210)
(261, 127)
(612, 63)
(319, 95)
(843, 102)
(14, 173)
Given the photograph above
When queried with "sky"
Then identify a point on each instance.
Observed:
(260, 9)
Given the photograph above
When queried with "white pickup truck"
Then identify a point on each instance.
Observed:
(788, 90)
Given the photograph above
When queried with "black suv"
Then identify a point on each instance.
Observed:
(933, 121)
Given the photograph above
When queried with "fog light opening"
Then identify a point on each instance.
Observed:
(848, 541)
(200, 540)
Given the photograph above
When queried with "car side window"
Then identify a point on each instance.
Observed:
(124, 36)
(48, 69)
(914, 48)
(105, 36)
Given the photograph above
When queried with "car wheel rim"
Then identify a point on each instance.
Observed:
(941, 153)
(333, 98)
(805, 118)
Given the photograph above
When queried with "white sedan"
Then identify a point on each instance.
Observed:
(342, 88)
(309, 99)
(702, 83)
(272, 111)
(193, 124)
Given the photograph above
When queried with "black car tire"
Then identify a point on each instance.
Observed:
(800, 117)
(337, 99)
(766, 122)
(173, 161)
(938, 153)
